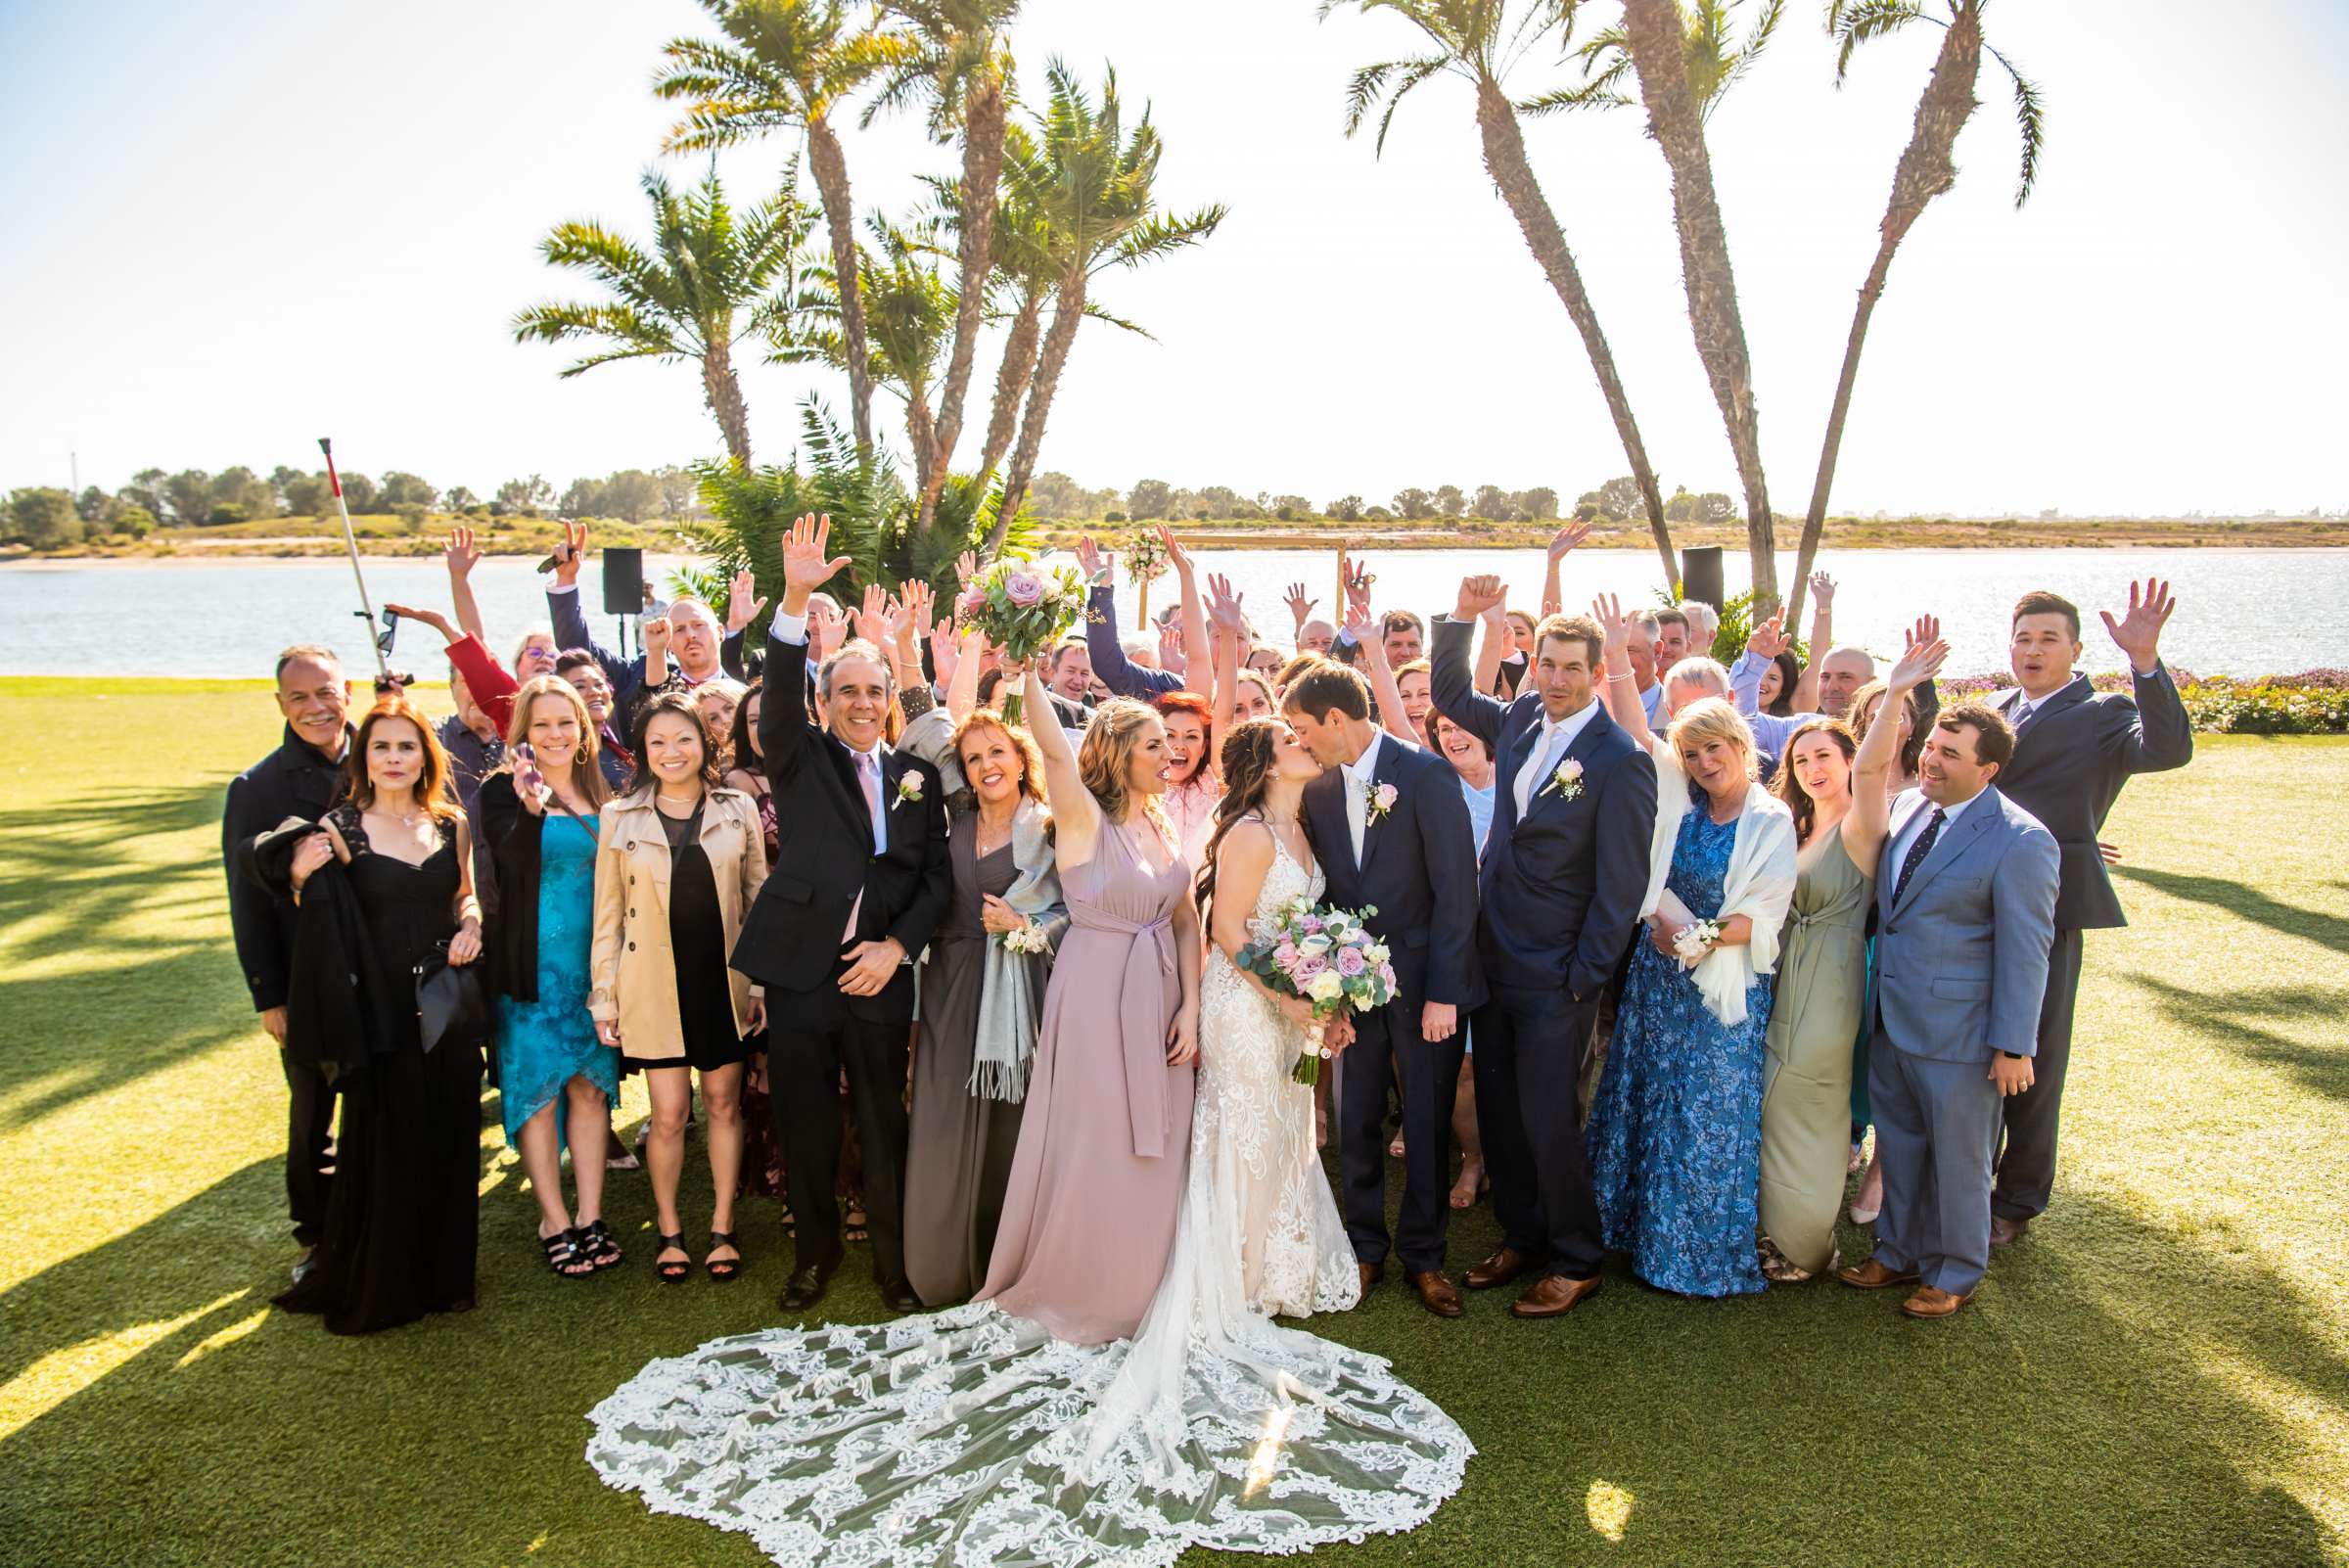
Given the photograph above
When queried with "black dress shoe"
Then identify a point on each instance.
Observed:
(805, 1286)
(899, 1298)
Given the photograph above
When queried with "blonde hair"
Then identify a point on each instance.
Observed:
(586, 767)
(1106, 758)
(1710, 718)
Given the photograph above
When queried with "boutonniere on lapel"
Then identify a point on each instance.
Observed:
(909, 788)
(1566, 781)
(1381, 801)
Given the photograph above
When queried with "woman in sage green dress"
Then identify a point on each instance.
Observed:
(1836, 790)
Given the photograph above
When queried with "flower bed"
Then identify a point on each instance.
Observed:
(2315, 702)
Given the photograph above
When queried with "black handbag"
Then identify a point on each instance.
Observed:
(449, 1005)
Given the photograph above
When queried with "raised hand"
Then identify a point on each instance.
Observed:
(1563, 543)
(1223, 605)
(1607, 610)
(1095, 563)
(946, 653)
(1477, 595)
(806, 564)
(743, 601)
(2138, 632)
(827, 629)
(427, 618)
(1823, 590)
(871, 617)
(655, 637)
(1177, 556)
(1920, 663)
(1170, 648)
(921, 610)
(1358, 585)
(966, 567)
(462, 556)
(1927, 630)
(1769, 639)
(571, 554)
(1300, 606)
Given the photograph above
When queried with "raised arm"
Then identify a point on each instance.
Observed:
(570, 616)
(1494, 631)
(1075, 814)
(1386, 696)
(1224, 612)
(1623, 687)
(1121, 674)
(1823, 638)
(2159, 735)
(962, 685)
(1561, 545)
(785, 725)
(1450, 683)
(462, 558)
(1198, 648)
(1762, 645)
(1871, 803)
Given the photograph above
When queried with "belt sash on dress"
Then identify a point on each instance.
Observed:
(1151, 946)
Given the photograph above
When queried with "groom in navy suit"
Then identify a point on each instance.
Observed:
(1565, 873)
(1392, 831)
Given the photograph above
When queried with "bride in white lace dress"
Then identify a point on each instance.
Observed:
(974, 1437)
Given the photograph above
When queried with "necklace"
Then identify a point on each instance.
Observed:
(402, 818)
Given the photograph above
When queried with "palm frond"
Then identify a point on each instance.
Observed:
(1852, 23)
(2030, 118)
(1589, 95)
(1414, 72)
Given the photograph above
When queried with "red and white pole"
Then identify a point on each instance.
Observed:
(383, 666)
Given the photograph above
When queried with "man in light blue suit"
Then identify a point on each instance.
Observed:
(1965, 909)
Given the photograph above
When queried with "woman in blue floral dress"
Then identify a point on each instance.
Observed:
(1675, 1138)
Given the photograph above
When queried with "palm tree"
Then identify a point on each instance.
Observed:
(952, 55)
(1092, 183)
(1715, 60)
(784, 65)
(1475, 39)
(910, 311)
(711, 279)
(1925, 171)
(1660, 37)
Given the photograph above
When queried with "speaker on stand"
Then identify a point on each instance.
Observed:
(624, 589)
(1700, 573)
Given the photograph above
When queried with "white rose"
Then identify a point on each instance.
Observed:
(1313, 945)
(1376, 952)
(1326, 986)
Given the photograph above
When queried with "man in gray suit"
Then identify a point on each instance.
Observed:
(1965, 907)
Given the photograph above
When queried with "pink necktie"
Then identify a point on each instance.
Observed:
(868, 778)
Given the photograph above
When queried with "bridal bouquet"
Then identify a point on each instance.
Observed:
(1021, 609)
(1325, 956)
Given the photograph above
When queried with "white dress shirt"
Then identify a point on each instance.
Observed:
(793, 629)
(1915, 828)
(1357, 791)
(1550, 743)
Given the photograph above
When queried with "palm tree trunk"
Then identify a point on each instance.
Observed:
(840, 218)
(1653, 28)
(1068, 311)
(1011, 382)
(982, 167)
(722, 391)
(1926, 169)
(1512, 172)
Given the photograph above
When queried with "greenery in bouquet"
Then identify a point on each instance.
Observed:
(1325, 956)
(1021, 608)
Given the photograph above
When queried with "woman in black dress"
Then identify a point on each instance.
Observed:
(678, 861)
(969, 1070)
(385, 888)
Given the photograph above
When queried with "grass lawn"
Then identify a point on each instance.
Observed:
(2159, 1373)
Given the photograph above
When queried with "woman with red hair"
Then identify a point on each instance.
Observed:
(1193, 786)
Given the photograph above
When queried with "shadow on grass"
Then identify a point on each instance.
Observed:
(2106, 1400)
(2236, 1020)
(2332, 930)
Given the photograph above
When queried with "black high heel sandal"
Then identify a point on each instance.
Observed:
(724, 1271)
(672, 1273)
(601, 1247)
(563, 1250)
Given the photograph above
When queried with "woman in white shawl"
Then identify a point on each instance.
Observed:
(1675, 1137)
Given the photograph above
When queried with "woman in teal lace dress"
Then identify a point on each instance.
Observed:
(1675, 1140)
(556, 1080)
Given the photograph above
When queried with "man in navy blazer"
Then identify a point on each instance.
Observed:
(1565, 873)
(1965, 911)
(2074, 749)
(860, 882)
(1390, 827)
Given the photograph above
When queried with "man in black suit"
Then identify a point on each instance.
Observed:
(1565, 873)
(2074, 749)
(298, 779)
(1394, 836)
(860, 882)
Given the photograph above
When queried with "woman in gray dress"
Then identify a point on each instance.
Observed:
(981, 999)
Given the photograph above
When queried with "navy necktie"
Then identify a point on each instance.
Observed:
(1917, 852)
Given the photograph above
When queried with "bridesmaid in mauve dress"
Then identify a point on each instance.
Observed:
(1088, 1218)
(981, 1005)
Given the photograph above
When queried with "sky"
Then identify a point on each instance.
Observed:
(226, 229)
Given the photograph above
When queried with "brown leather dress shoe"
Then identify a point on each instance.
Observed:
(1873, 1274)
(1930, 1301)
(1436, 1295)
(1552, 1295)
(1498, 1270)
(2004, 1230)
(1372, 1274)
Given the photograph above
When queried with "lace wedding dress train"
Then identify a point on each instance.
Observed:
(971, 1437)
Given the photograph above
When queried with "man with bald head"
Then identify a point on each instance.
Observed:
(1841, 673)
